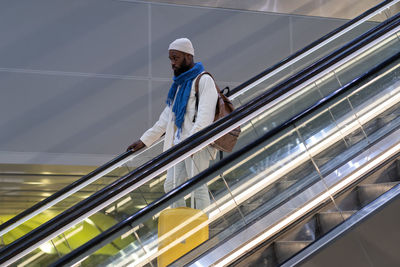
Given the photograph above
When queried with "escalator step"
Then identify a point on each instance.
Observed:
(369, 192)
(328, 220)
(286, 249)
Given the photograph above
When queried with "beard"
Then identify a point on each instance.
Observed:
(183, 68)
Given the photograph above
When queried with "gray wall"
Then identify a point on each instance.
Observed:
(81, 79)
(324, 8)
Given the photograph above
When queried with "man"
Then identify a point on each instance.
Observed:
(180, 119)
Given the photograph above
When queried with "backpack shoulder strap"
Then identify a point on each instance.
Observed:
(196, 89)
(197, 82)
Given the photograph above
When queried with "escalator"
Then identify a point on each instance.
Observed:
(275, 203)
(278, 106)
(281, 179)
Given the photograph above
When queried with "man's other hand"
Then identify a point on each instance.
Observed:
(136, 146)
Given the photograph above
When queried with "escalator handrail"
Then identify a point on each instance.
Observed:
(71, 188)
(184, 189)
(189, 145)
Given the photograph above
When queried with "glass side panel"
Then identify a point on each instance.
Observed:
(263, 180)
(361, 64)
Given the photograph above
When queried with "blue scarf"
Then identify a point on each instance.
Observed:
(185, 81)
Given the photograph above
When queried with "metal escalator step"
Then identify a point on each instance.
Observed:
(286, 249)
(328, 220)
(369, 192)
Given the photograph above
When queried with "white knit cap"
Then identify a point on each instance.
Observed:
(183, 45)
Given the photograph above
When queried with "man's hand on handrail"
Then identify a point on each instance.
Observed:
(136, 146)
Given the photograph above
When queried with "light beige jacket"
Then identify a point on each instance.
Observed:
(205, 116)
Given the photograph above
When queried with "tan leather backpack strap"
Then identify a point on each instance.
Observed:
(198, 81)
(196, 92)
(196, 84)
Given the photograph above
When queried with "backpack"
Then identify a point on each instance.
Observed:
(224, 107)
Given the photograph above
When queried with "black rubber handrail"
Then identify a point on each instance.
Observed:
(139, 174)
(116, 160)
(187, 187)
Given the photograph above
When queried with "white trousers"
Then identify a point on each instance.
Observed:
(186, 169)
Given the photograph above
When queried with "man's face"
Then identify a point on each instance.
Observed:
(179, 63)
